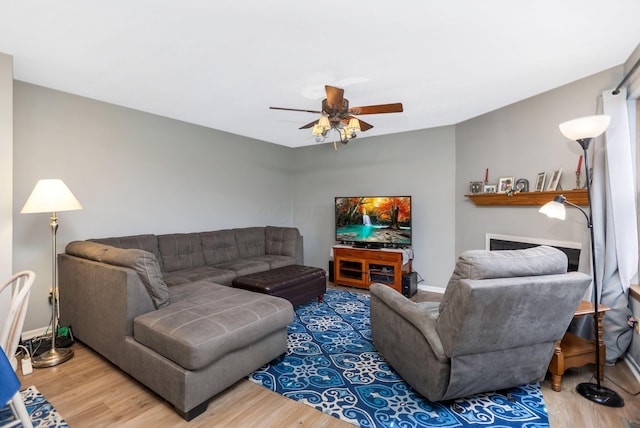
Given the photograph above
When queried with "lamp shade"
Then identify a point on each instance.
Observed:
(555, 208)
(50, 195)
(585, 127)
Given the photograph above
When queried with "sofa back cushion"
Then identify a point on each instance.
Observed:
(143, 262)
(180, 251)
(250, 241)
(219, 246)
(281, 241)
(141, 242)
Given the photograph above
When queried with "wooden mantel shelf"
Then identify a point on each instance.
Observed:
(578, 197)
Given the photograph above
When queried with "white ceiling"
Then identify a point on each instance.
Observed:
(222, 64)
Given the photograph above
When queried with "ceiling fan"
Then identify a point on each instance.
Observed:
(337, 115)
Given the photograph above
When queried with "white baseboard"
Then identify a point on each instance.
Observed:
(35, 333)
(431, 288)
(633, 366)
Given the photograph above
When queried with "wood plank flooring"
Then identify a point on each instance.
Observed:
(89, 391)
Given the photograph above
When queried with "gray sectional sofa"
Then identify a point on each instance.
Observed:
(160, 307)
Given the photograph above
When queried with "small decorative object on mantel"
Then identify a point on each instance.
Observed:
(475, 187)
(555, 180)
(489, 188)
(540, 181)
(578, 172)
(504, 184)
(522, 185)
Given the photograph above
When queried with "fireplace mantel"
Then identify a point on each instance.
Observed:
(578, 197)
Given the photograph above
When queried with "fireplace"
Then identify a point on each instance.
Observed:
(496, 241)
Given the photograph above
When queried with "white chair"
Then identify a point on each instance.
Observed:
(20, 285)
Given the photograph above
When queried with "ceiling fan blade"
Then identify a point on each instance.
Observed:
(296, 109)
(334, 96)
(308, 125)
(364, 126)
(377, 109)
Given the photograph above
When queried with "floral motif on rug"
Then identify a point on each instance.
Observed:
(332, 365)
(41, 411)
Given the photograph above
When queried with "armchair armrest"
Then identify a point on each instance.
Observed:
(422, 316)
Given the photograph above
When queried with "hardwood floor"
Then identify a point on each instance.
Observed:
(89, 391)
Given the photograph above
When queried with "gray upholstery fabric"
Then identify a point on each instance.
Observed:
(219, 246)
(484, 264)
(143, 262)
(493, 331)
(281, 240)
(200, 273)
(251, 241)
(244, 266)
(180, 251)
(102, 300)
(141, 242)
(275, 261)
(209, 321)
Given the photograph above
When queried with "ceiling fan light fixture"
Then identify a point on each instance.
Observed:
(317, 130)
(324, 122)
(354, 124)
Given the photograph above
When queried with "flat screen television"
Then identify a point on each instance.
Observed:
(373, 221)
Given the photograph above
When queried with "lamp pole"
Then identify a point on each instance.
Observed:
(595, 392)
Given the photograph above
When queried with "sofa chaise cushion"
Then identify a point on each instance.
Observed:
(207, 321)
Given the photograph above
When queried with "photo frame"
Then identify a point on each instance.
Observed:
(540, 178)
(504, 184)
(489, 188)
(475, 187)
(555, 180)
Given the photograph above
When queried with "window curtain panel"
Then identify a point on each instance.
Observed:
(614, 221)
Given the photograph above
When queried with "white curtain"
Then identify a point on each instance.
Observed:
(614, 222)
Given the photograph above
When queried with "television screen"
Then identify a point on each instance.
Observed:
(375, 221)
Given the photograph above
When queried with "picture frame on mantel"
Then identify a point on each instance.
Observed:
(555, 180)
(505, 184)
(540, 178)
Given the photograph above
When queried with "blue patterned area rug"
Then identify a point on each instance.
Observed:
(332, 365)
(42, 413)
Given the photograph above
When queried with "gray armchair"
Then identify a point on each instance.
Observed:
(496, 326)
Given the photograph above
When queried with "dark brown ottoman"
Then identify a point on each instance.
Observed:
(296, 283)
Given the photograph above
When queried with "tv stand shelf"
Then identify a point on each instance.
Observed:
(359, 267)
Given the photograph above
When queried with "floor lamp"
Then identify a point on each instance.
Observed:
(583, 131)
(52, 196)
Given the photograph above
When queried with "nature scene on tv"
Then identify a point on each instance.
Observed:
(383, 220)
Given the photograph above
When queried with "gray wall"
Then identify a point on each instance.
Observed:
(6, 175)
(133, 173)
(139, 173)
(420, 164)
(522, 140)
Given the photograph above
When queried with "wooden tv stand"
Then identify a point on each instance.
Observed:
(360, 267)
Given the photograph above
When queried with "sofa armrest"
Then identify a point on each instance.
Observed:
(100, 301)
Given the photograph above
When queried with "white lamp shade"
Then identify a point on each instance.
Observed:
(50, 195)
(354, 124)
(553, 209)
(585, 127)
